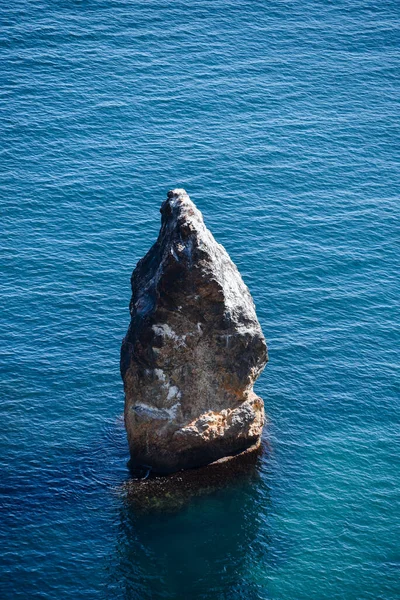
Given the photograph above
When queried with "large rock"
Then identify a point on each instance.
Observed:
(193, 350)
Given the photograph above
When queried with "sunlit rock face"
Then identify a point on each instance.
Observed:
(193, 350)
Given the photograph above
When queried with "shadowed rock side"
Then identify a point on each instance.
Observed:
(193, 350)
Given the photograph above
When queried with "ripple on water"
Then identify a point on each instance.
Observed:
(281, 121)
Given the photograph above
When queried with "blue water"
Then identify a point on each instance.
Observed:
(281, 119)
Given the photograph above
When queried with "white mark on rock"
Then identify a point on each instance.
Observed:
(159, 373)
(145, 411)
(173, 392)
(166, 331)
(174, 254)
(172, 412)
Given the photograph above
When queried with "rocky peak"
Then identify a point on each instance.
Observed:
(193, 349)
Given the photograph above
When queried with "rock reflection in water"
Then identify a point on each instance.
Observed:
(202, 548)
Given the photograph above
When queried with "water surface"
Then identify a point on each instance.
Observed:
(281, 119)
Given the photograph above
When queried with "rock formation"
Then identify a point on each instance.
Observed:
(193, 350)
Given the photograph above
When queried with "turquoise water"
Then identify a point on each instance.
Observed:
(281, 119)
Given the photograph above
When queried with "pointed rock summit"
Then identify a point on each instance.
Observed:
(193, 350)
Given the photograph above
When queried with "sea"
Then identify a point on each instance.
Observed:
(281, 120)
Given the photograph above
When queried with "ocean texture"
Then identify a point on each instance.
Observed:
(281, 120)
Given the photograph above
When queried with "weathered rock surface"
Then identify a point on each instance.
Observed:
(193, 350)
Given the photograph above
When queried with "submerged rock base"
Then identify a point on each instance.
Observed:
(172, 492)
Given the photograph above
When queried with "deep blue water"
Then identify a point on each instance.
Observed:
(281, 119)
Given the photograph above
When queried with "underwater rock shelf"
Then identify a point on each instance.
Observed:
(160, 493)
